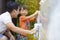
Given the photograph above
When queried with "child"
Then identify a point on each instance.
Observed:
(24, 20)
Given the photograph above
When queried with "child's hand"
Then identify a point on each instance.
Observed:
(37, 12)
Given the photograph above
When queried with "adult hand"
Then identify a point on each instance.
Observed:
(12, 38)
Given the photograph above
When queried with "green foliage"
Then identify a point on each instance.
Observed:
(33, 5)
(31, 37)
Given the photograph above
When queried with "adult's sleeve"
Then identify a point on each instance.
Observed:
(6, 19)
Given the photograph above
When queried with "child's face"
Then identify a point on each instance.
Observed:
(24, 11)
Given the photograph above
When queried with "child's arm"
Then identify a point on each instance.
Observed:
(31, 16)
(33, 19)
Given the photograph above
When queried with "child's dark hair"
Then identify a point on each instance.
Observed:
(24, 7)
(11, 6)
